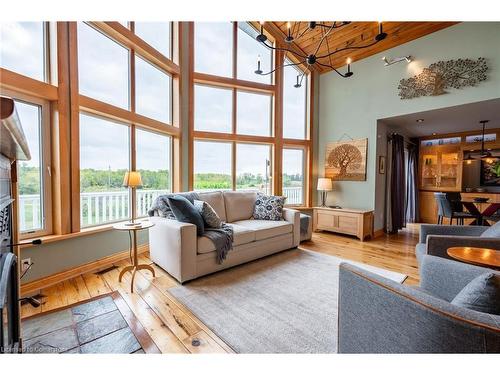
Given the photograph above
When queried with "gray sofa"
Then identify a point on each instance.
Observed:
(176, 248)
(378, 315)
(436, 239)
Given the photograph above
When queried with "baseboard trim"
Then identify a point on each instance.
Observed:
(36, 285)
(378, 233)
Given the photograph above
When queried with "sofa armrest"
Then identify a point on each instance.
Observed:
(438, 245)
(450, 230)
(444, 278)
(293, 217)
(378, 315)
(173, 246)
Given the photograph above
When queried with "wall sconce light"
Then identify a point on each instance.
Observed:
(390, 61)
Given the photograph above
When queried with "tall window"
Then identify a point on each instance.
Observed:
(212, 165)
(153, 161)
(253, 113)
(103, 67)
(104, 159)
(293, 176)
(214, 48)
(294, 104)
(22, 48)
(230, 118)
(250, 52)
(156, 34)
(34, 177)
(253, 167)
(152, 91)
(213, 109)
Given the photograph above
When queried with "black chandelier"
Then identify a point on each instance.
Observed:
(314, 59)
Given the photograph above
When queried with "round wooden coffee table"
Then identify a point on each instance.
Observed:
(476, 255)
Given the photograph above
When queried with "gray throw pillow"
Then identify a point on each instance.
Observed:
(268, 207)
(481, 294)
(212, 220)
(493, 231)
(185, 212)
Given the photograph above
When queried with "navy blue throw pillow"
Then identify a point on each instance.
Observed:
(185, 212)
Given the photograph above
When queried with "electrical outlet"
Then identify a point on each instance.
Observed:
(25, 263)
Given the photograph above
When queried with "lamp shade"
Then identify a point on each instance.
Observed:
(132, 179)
(325, 184)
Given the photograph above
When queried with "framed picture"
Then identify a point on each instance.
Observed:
(381, 164)
(346, 160)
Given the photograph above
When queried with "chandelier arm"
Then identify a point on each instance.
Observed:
(302, 78)
(347, 48)
(331, 67)
(322, 38)
(302, 33)
(283, 49)
(328, 49)
(280, 67)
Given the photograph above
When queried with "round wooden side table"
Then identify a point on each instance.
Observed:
(475, 255)
(133, 229)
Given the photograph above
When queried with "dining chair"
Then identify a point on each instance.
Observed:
(450, 206)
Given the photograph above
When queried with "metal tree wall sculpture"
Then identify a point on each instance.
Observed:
(443, 75)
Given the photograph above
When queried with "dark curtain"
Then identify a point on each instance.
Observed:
(397, 185)
(412, 185)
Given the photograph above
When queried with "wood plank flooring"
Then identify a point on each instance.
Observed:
(173, 327)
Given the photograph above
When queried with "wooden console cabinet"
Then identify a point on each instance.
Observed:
(357, 223)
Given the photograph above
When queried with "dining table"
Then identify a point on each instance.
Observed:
(490, 210)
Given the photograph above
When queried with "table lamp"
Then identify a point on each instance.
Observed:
(132, 180)
(324, 186)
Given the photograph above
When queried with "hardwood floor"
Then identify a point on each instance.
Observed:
(173, 327)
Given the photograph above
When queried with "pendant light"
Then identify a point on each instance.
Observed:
(485, 154)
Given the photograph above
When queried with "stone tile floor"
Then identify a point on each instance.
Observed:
(92, 327)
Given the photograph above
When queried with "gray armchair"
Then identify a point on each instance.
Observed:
(378, 315)
(436, 239)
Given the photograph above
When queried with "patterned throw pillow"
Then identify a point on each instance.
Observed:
(268, 207)
(208, 214)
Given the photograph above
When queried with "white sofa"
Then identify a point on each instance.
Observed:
(175, 247)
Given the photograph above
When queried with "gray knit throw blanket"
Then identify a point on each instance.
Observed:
(222, 238)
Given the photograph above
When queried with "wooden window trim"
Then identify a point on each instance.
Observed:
(46, 165)
(127, 38)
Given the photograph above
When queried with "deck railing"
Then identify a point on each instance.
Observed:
(101, 207)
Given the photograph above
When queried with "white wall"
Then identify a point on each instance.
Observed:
(354, 105)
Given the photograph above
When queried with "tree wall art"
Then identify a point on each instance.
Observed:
(346, 160)
(443, 75)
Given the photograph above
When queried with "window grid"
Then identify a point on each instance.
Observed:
(276, 136)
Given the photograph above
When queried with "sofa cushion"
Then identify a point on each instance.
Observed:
(204, 245)
(216, 200)
(493, 231)
(241, 235)
(481, 294)
(265, 228)
(268, 207)
(239, 205)
(185, 212)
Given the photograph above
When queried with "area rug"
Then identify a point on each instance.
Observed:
(101, 325)
(284, 303)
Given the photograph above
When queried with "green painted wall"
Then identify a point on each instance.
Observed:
(354, 105)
